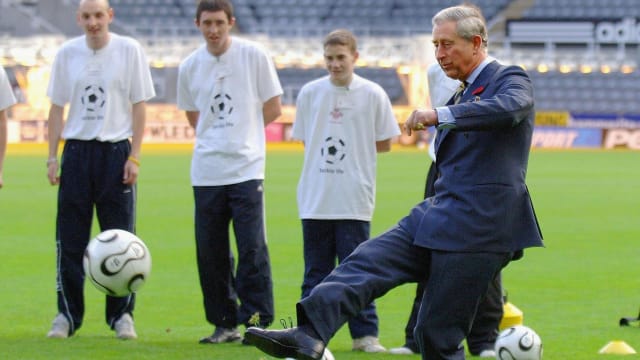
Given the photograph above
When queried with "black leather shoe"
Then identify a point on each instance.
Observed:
(288, 343)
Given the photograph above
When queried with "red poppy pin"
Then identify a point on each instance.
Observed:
(478, 90)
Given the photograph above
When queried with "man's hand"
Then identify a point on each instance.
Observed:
(420, 120)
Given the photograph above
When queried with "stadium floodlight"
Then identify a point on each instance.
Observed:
(586, 68)
(627, 68)
(605, 69)
(542, 68)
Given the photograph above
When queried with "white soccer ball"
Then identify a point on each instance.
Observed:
(518, 343)
(117, 262)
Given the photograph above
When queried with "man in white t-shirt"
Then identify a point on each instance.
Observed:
(230, 91)
(6, 100)
(106, 81)
(343, 120)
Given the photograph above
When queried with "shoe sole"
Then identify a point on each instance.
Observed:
(276, 349)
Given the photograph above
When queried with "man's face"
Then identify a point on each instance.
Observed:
(94, 17)
(340, 61)
(455, 55)
(215, 28)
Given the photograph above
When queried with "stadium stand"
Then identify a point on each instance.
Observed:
(363, 17)
(582, 9)
(294, 78)
(586, 93)
(582, 54)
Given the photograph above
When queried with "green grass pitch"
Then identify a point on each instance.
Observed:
(572, 292)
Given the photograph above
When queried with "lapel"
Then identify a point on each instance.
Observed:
(475, 89)
(481, 82)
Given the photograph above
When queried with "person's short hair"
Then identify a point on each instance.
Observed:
(214, 5)
(469, 21)
(341, 37)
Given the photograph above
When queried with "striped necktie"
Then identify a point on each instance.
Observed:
(458, 95)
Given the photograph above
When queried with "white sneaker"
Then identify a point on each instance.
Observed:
(59, 327)
(403, 350)
(124, 328)
(487, 354)
(369, 344)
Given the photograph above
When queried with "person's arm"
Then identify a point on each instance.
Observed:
(54, 131)
(3, 140)
(192, 118)
(271, 110)
(132, 165)
(383, 146)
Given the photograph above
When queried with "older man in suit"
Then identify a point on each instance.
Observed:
(484, 331)
(480, 218)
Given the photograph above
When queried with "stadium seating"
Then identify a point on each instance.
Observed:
(582, 9)
(293, 79)
(363, 17)
(166, 29)
(614, 93)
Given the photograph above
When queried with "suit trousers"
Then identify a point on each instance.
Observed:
(456, 283)
(484, 330)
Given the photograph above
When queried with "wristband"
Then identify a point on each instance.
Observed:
(51, 161)
(134, 160)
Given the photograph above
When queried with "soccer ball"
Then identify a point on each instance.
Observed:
(117, 262)
(327, 355)
(518, 343)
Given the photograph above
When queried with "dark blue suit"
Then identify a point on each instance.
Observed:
(459, 239)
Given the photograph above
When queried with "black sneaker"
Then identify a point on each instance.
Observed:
(222, 335)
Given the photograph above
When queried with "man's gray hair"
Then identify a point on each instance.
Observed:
(469, 21)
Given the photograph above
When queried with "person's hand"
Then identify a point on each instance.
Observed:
(1, 179)
(131, 169)
(419, 120)
(52, 172)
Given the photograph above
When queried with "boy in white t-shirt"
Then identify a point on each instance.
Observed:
(230, 91)
(105, 79)
(6, 100)
(344, 120)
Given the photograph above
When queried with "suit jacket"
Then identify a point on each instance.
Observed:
(481, 201)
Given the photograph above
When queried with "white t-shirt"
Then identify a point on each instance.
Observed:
(340, 127)
(229, 91)
(100, 87)
(6, 92)
(441, 89)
